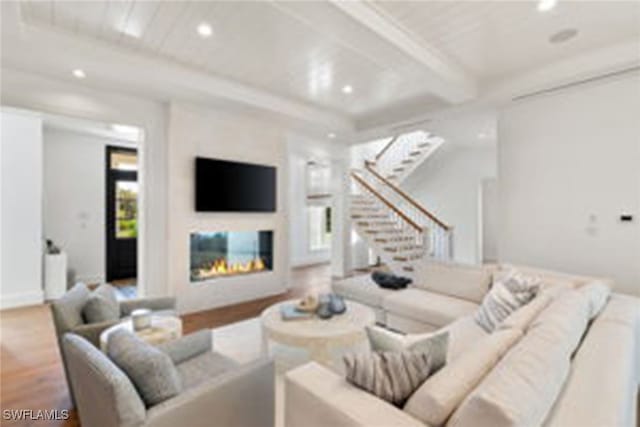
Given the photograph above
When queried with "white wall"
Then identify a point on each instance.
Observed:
(447, 184)
(21, 217)
(302, 149)
(569, 165)
(489, 220)
(198, 131)
(30, 91)
(299, 247)
(74, 199)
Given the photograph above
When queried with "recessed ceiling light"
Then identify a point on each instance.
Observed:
(347, 89)
(205, 30)
(331, 135)
(79, 73)
(546, 5)
(563, 35)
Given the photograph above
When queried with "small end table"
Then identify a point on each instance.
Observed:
(162, 329)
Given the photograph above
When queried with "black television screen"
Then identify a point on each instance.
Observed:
(224, 186)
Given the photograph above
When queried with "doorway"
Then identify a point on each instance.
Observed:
(121, 214)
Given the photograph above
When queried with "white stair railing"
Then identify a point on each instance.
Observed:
(438, 236)
(404, 153)
(399, 224)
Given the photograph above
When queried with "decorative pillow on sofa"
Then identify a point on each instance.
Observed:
(507, 294)
(434, 343)
(102, 305)
(390, 375)
(150, 370)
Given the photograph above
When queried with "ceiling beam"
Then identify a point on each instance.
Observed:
(446, 79)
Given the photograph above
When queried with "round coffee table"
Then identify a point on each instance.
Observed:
(162, 329)
(317, 336)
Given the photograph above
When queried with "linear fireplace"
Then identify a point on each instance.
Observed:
(230, 253)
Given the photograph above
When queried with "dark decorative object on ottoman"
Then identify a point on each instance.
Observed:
(390, 281)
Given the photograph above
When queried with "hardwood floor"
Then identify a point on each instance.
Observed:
(31, 374)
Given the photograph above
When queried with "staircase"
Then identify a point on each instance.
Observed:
(396, 227)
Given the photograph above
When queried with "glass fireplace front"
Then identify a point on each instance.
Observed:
(230, 253)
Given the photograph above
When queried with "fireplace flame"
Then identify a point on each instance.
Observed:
(221, 267)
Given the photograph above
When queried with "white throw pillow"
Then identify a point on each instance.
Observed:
(436, 343)
(598, 294)
(509, 292)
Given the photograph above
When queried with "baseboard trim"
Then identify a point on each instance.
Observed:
(21, 299)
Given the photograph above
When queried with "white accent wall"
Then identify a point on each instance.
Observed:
(21, 213)
(569, 166)
(74, 200)
(448, 184)
(198, 131)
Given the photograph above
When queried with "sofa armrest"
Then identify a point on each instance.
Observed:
(188, 346)
(318, 397)
(152, 303)
(243, 397)
(91, 331)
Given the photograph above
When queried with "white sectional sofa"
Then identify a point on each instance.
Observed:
(571, 357)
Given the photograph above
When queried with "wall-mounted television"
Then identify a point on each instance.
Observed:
(225, 186)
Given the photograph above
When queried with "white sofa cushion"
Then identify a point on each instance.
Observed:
(361, 289)
(439, 395)
(318, 397)
(523, 386)
(553, 278)
(602, 377)
(522, 318)
(464, 333)
(428, 307)
(468, 282)
(598, 295)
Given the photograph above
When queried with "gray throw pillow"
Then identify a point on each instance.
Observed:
(67, 310)
(391, 376)
(102, 305)
(150, 370)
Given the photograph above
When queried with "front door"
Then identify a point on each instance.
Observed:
(122, 213)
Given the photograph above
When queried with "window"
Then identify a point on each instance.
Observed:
(123, 160)
(126, 209)
(319, 227)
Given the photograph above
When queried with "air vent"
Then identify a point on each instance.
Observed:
(577, 83)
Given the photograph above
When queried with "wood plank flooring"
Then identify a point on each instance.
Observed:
(31, 374)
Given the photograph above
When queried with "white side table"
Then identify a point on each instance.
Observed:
(55, 275)
(316, 335)
(163, 329)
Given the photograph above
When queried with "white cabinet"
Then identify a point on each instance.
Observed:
(55, 275)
